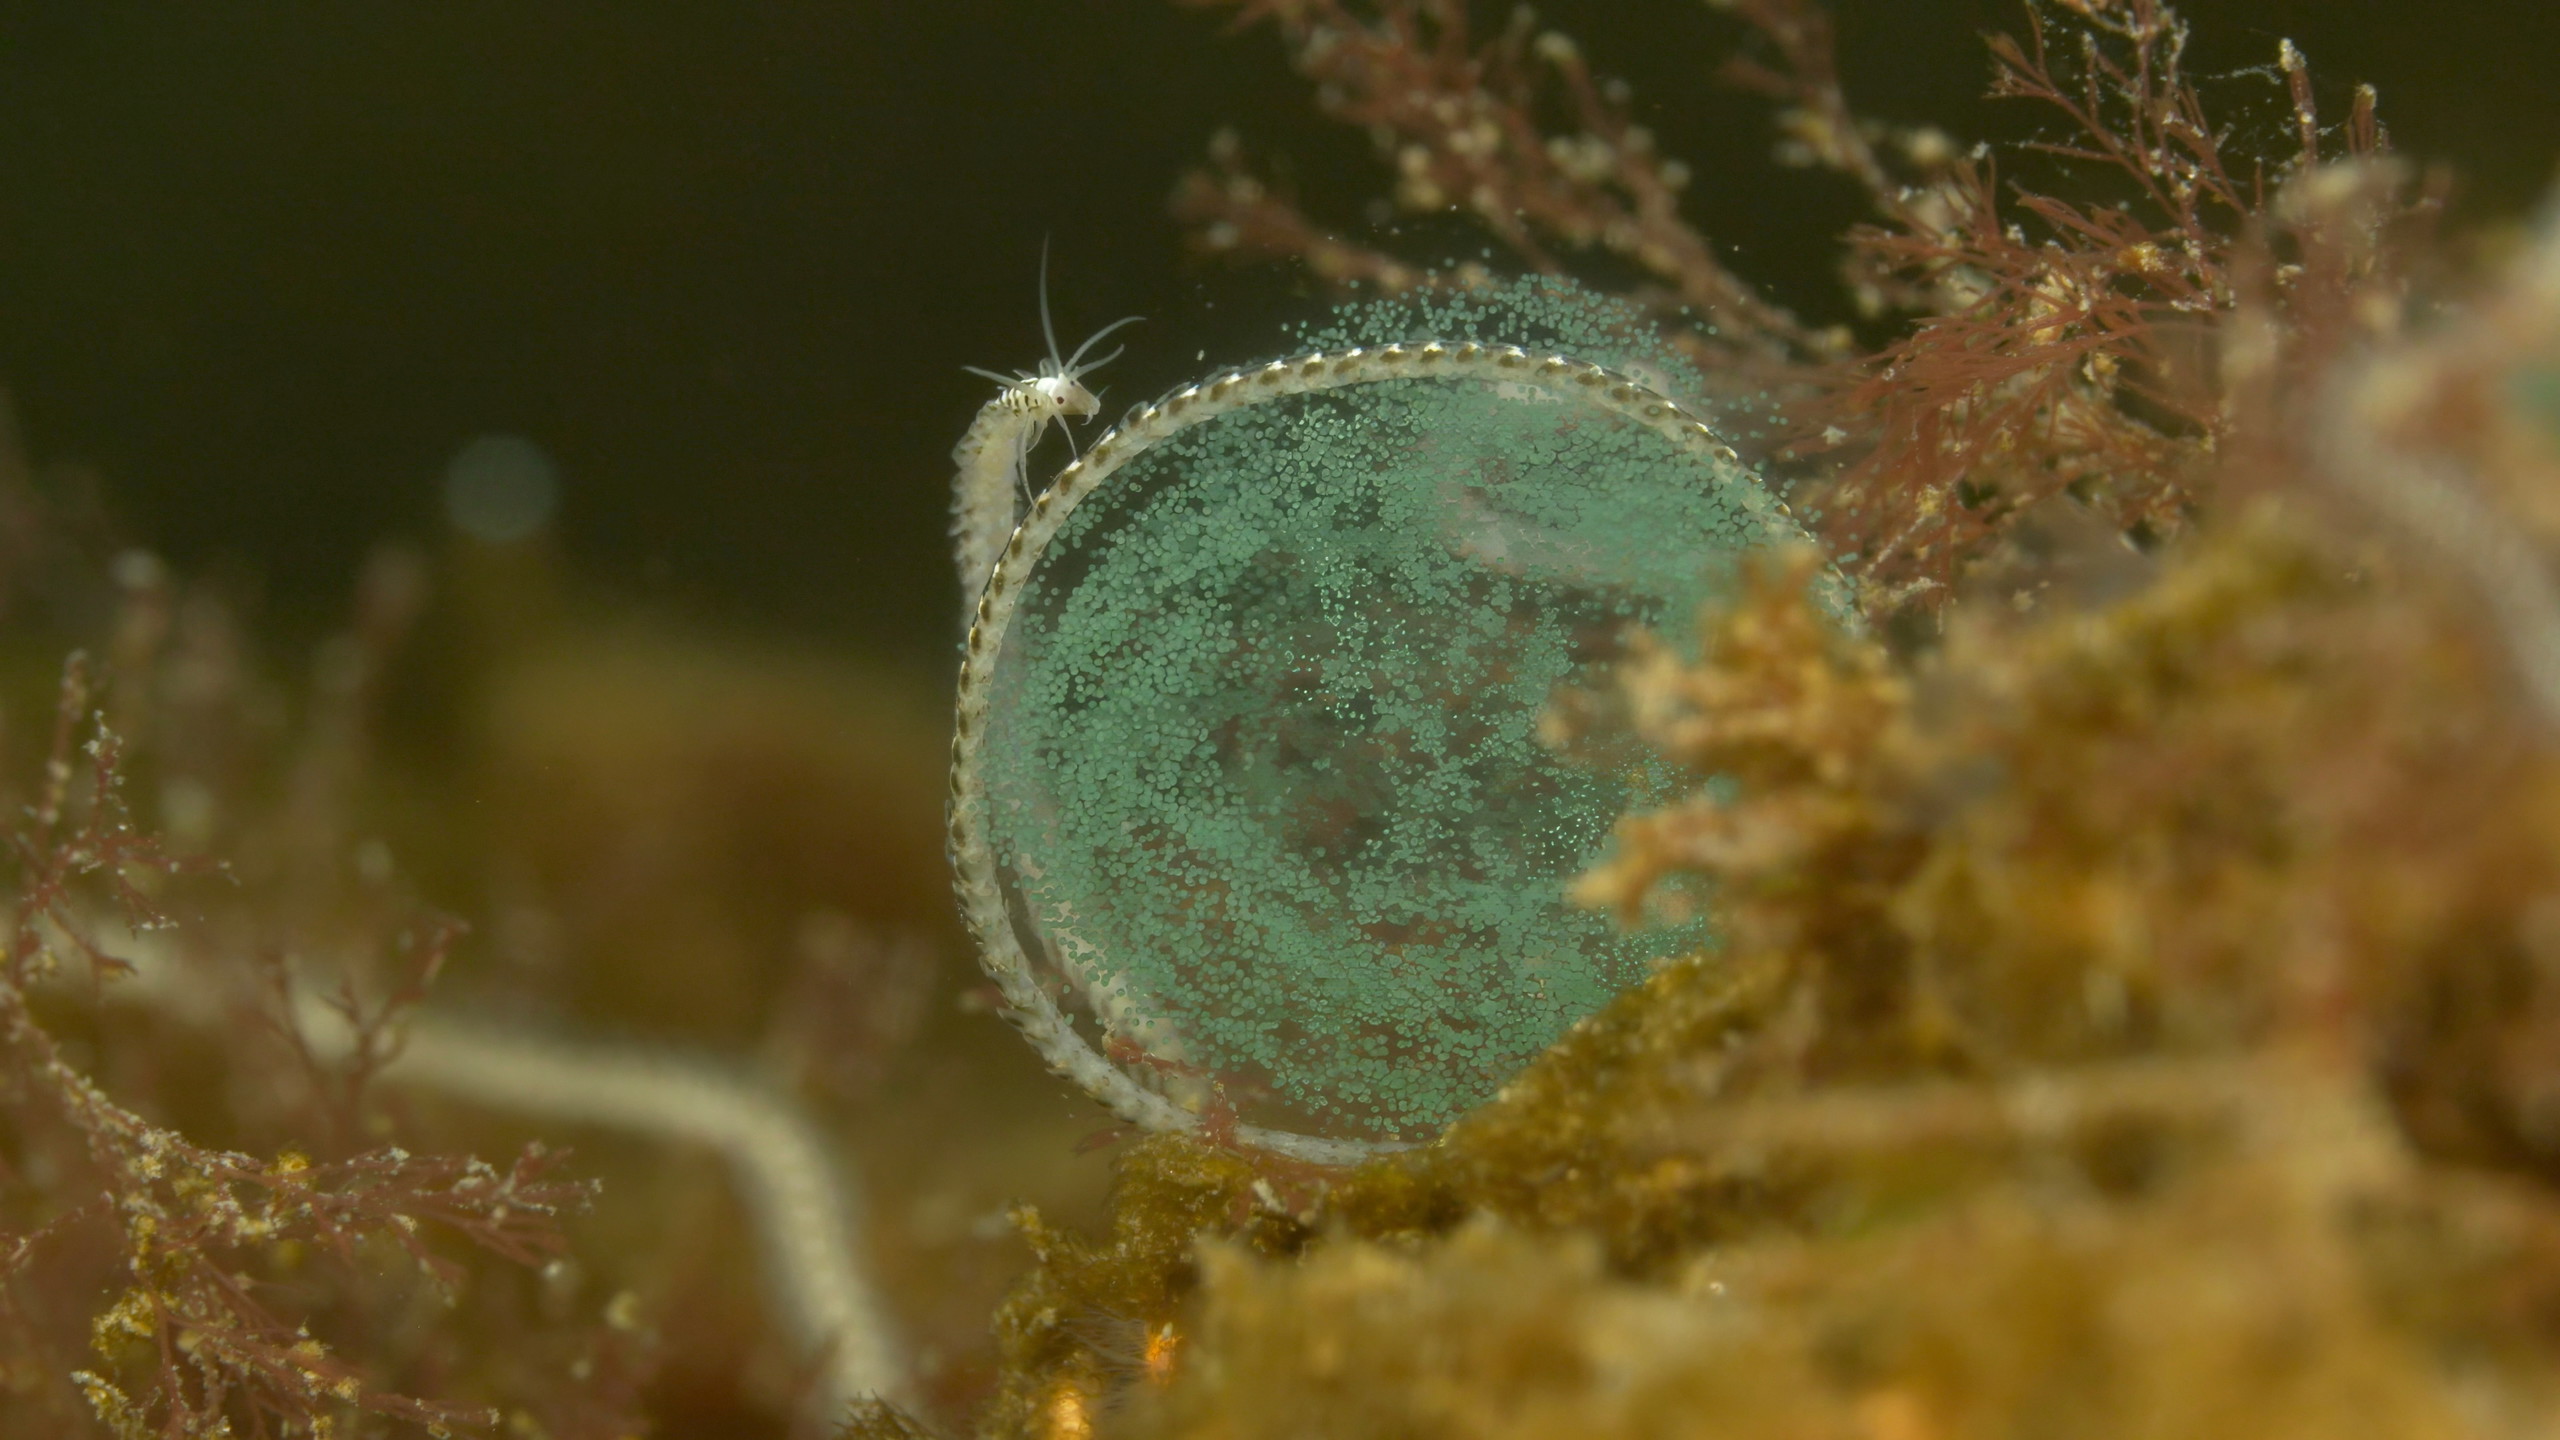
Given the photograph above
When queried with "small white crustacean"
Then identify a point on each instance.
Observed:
(989, 489)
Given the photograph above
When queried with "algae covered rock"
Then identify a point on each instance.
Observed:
(1991, 1112)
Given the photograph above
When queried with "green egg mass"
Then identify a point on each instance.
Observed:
(1261, 780)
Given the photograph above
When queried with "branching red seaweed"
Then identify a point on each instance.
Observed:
(207, 1337)
(2053, 346)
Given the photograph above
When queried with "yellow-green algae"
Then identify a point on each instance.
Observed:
(2126, 1027)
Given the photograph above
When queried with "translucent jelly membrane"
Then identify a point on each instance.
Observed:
(1264, 784)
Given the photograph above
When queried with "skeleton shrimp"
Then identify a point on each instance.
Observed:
(988, 491)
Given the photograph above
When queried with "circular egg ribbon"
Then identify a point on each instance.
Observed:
(1029, 1005)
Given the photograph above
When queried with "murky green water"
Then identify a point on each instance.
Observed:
(266, 269)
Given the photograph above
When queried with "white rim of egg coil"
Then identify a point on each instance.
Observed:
(1032, 1008)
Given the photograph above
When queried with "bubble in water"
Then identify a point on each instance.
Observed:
(501, 489)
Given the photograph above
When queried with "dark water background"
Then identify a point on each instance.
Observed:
(265, 265)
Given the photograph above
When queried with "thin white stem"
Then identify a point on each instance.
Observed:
(801, 1194)
(2432, 495)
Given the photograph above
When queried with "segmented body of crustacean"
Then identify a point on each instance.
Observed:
(989, 489)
